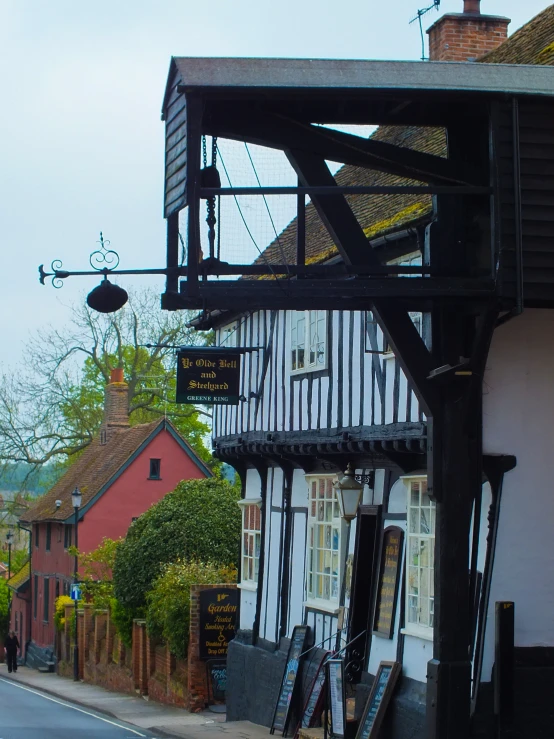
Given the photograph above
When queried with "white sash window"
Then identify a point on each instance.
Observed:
(420, 559)
(324, 536)
(308, 340)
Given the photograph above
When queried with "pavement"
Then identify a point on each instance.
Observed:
(157, 719)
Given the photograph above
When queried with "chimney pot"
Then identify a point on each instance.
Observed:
(472, 6)
(116, 405)
(116, 375)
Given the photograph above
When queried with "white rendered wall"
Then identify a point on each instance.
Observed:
(518, 419)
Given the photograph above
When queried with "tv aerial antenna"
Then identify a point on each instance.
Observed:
(418, 17)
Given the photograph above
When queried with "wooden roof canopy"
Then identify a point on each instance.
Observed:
(492, 189)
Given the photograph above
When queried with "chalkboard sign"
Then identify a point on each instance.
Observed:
(284, 699)
(387, 585)
(219, 608)
(337, 700)
(314, 700)
(217, 678)
(378, 700)
(208, 376)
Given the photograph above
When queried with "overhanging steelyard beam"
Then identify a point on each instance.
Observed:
(208, 192)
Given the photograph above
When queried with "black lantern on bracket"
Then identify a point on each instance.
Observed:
(107, 297)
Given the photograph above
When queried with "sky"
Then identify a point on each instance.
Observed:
(81, 140)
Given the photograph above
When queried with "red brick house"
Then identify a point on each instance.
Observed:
(121, 474)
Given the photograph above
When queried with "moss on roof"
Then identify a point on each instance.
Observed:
(20, 578)
(382, 214)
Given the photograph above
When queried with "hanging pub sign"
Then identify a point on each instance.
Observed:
(208, 376)
(219, 608)
(387, 585)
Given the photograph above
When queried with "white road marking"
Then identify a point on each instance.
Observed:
(68, 705)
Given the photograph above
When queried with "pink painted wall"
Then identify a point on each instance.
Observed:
(130, 496)
(133, 493)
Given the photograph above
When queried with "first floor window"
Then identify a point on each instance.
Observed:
(46, 600)
(308, 340)
(228, 335)
(251, 541)
(67, 535)
(35, 596)
(324, 534)
(420, 558)
(48, 536)
(37, 530)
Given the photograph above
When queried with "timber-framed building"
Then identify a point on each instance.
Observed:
(401, 326)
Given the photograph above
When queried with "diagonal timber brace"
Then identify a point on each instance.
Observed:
(335, 212)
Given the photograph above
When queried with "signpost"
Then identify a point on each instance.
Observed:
(387, 586)
(378, 700)
(219, 608)
(208, 376)
(284, 699)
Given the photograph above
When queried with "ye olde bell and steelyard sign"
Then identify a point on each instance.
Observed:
(208, 376)
(219, 608)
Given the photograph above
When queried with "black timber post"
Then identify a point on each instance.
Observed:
(504, 666)
(194, 134)
(461, 338)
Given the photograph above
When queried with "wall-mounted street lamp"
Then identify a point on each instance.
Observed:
(76, 499)
(349, 493)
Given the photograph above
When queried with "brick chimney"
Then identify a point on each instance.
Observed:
(116, 406)
(464, 37)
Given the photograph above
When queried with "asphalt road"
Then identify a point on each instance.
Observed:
(26, 713)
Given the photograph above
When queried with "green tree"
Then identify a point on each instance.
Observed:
(52, 407)
(168, 614)
(96, 569)
(4, 608)
(200, 519)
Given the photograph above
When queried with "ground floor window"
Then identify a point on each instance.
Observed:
(324, 534)
(420, 586)
(251, 540)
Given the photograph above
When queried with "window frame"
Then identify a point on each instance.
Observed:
(35, 597)
(37, 536)
(294, 318)
(312, 600)
(153, 466)
(48, 540)
(67, 535)
(248, 583)
(413, 628)
(45, 600)
(229, 334)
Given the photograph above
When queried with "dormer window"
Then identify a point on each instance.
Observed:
(155, 469)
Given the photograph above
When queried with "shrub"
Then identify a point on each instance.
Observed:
(4, 608)
(122, 618)
(168, 613)
(96, 568)
(59, 614)
(200, 519)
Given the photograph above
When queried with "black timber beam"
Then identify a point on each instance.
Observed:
(339, 219)
(280, 132)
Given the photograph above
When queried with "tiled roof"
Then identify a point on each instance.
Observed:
(382, 214)
(21, 577)
(96, 466)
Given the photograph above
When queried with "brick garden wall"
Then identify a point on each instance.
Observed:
(148, 668)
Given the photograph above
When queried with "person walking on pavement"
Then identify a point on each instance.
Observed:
(11, 647)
